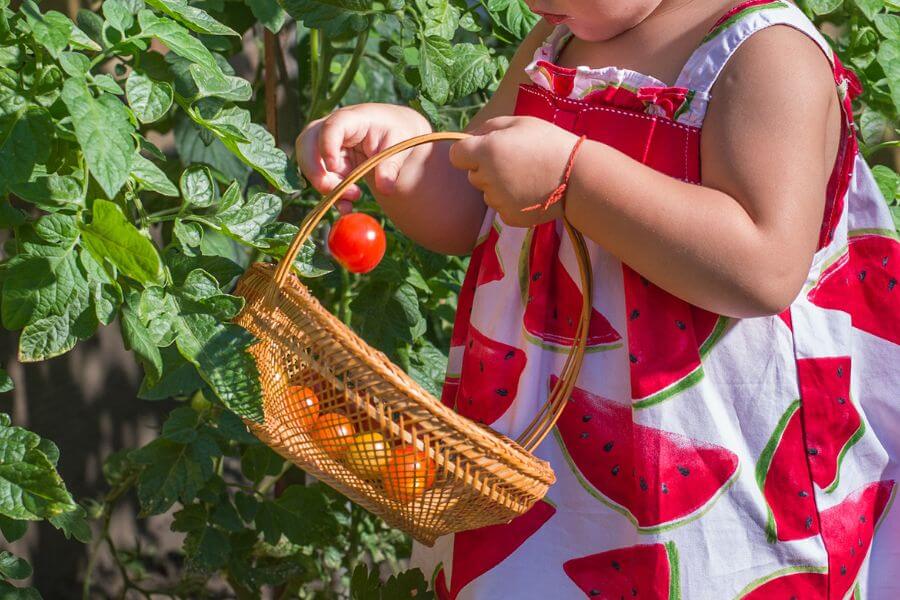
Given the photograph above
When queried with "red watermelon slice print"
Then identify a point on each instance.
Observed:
(648, 571)
(782, 474)
(553, 300)
(478, 551)
(863, 282)
(489, 381)
(795, 583)
(667, 338)
(848, 529)
(830, 420)
(484, 266)
(658, 480)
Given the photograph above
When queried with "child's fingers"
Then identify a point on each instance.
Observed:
(342, 129)
(463, 154)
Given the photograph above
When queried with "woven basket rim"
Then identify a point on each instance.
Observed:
(499, 447)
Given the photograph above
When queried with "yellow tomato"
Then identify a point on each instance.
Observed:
(303, 405)
(368, 455)
(408, 474)
(334, 433)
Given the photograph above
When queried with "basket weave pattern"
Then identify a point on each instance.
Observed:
(423, 468)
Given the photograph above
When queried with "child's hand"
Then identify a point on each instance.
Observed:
(517, 162)
(330, 147)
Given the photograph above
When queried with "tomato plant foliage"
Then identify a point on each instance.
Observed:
(106, 226)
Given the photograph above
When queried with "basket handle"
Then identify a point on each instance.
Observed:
(546, 418)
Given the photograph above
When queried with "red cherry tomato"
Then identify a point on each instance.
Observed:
(357, 242)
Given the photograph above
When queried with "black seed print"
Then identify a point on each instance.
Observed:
(884, 261)
(635, 314)
(840, 371)
(632, 358)
(684, 471)
(586, 418)
(812, 451)
(842, 401)
(616, 566)
(536, 276)
(680, 325)
(509, 355)
(594, 593)
(634, 592)
(862, 518)
(862, 275)
(471, 343)
(502, 392)
(809, 522)
(643, 484)
(665, 489)
(843, 569)
(607, 446)
(892, 284)
(802, 494)
(615, 470)
(585, 435)
(481, 366)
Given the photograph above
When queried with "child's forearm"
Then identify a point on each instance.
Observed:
(433, 203)
(696, 242)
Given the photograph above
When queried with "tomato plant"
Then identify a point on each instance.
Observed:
(108, 224)
(357, 242)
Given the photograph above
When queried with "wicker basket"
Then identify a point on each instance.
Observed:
(340, 410)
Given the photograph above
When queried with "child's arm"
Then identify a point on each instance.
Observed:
(741, 244)
(428, 199)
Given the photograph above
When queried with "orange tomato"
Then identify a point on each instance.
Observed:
(368, 455)
(304, 405)
(334, 432)
(408, 474)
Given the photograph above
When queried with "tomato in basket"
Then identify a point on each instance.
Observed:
(408, 474)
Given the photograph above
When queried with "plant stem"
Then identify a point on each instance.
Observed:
(340, 87)
(314, 76)
(346, 296)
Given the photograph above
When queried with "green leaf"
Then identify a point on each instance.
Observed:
(111, 236)
(106, 83)
(246, 220)
(177, 38)
(75, 64)
(139, 340)
(435, 56)
(46, 338)
(889, 59)
(79, 40)
(104, 131)
(73, 524)
(181, 425)
(888, 181)
(192, 17)
(334, 17)
(189, 234)
(23, 145)
(30, 487)
(888, 26)
(51, 30)
(118, 15)
(269, 13)
(150, 100)
(217, 84)
(219, 351)
(150, 177)
(206, 549)
(472, 69)
(440, 16)
(12, 529)
(386, 314)
(13, 567)
(870, 7)
(173, 471)
(179, 377)
(301, 514)
(823, 7)
(197, 186)
(191, 149)
(222, 269)
(259, 461)
(6, 382)
(105, 290)
(51, 192)
(190, 518)
(512, 15)
(10, 592)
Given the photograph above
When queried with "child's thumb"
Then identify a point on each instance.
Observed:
(386, 175)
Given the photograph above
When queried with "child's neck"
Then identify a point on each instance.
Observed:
(658, 46)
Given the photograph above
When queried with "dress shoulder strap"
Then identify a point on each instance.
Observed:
(734, 28)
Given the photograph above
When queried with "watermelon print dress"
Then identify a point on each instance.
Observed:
(699, 457)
